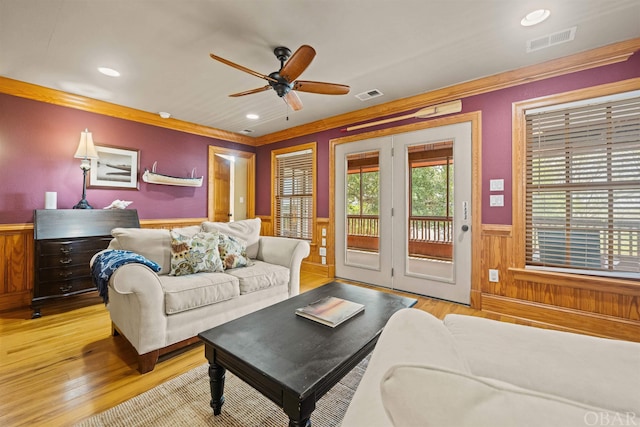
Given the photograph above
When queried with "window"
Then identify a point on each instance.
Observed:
(582, 186)
(294, 176)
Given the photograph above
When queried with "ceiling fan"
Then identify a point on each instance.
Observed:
(284, 80)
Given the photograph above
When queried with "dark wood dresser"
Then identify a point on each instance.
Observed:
(65, 241)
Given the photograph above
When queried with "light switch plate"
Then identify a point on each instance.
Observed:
(323, 251)
(496, 184)
(496, 200)
(493, 275)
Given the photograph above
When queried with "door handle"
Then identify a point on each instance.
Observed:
(465, 227)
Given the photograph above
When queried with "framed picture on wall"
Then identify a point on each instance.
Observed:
(115, 167)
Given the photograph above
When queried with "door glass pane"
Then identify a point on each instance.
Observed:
(362, 210)
(429, 221)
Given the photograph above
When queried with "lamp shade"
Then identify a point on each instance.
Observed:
(86, 149)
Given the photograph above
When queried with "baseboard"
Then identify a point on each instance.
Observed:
(562, 318)
(325, 270)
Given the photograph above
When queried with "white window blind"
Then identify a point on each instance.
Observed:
(583, 188)
(294, 195)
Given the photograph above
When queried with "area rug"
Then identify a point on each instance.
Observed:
(184, 401)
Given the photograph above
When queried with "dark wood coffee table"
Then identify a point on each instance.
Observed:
(291, 360)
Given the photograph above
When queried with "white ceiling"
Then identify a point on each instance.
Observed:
(400, 47)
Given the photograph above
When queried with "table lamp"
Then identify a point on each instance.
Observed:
(86, 151)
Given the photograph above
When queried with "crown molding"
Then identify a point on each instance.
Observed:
(52, 96)
(610, 54)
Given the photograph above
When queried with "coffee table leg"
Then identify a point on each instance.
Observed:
(299, 412)
(216, 381)
(301, 423)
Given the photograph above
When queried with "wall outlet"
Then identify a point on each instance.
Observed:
(324, 260)
(493, 275)
(324, 242)
(324, 232)
(323, 251)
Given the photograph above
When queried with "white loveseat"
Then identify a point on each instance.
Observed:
(158, 312)
(471, 371)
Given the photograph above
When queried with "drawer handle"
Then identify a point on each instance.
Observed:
(65, 289)
(65, 250)
(66, 274)
(65, 261)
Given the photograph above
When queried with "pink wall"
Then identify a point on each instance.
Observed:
(37, 144)
(496, 136)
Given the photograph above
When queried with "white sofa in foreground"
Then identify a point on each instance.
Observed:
(471, 371)
(159, 312)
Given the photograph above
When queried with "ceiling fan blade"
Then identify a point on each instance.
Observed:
(321, 87)
(298, 62)
(241, 68)
(293, 100)
(249, 92)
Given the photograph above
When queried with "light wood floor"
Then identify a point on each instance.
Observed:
(66, 366)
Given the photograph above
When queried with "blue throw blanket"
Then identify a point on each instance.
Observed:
(109, 261)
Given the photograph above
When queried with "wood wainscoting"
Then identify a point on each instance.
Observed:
(313, 263)
(16, 265)
(585, 304)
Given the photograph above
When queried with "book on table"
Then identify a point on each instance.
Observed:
(330, 311)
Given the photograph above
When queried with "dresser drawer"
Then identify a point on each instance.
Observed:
(64, 273)
(66, 260)
(62, 288)
(64, 247)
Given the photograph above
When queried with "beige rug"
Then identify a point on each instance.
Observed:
(184, 401)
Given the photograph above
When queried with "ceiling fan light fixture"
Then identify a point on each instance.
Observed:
(535, 17)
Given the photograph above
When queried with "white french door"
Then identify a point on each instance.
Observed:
(411, 231)
(373, 263)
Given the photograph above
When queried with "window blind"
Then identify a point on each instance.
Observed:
(294, 188)
(583, 188)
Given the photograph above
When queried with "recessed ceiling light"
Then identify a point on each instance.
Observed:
(535, 17)
(252, 116)
(164, 114)
(109, 71)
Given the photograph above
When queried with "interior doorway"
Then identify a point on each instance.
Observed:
(231, 186)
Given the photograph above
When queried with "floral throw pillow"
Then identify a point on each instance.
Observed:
(192, 254)
(233, 252)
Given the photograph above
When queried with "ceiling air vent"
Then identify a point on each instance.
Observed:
(365, 96)
(552, 39)
(246, 131)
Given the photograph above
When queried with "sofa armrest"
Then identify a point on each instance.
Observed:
(136, 306)
(287, 253)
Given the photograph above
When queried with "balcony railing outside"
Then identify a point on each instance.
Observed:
(428, 236)
(430, 229)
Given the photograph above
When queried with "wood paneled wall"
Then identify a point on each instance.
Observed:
(16, 265)
(313, 263)
(586, 304)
